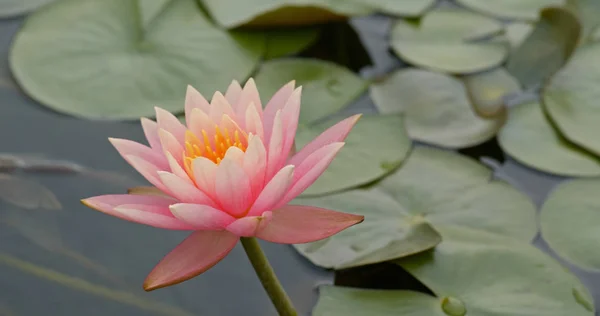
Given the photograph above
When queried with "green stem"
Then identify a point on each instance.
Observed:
(267, 277)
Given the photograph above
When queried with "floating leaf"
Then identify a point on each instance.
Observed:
(569, 222)
(443, 42)
(588, 12)
(547, 48)
(433, 186)
(91, 58)
(436, 108)
(27, 194)
(516, 33)
(530, 138)
(487, 90)
(150, 9)
(571, 98)
(403, 8)
(378, 144)
(261, 13)
(10, 8)
(326, 87)
(512, 9)
(287, 42)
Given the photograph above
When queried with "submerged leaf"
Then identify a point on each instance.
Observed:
(281, 43)
(27, 194)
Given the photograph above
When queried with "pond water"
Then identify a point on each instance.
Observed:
(75, 261)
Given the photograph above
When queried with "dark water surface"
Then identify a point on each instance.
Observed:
(76, 261)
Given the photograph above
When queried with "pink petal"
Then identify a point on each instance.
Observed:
(127, 147)
(227, 123)
(194, 100)
(255, 164)
(334, 134)
(309, 170)
(253, 122)
(198, 122)
(147, 170)
(232, 188)
(196, 254)
(144, 209)
(248, 226)
(219, 106)
(273, 191)
(235, 154)
(171, 145)
(248, 96)
(153, 191)
(296, 224)
(184, 190)
(170, 123)
(275, 147)
(289, 119)
(276, 103)
(205, 173)
(202, 217)
(151, 132)
(233, 92)
(175, 167)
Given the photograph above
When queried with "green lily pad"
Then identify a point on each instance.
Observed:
(281, 43)
(92, 58)
(569, 222)
(378, 144)
(588, 12)
(10, 8)
(262, 13)
(433, 186)
(516, 33)
(327, 87)
(547, 48)
(411, 8)
(512, 9)
(571, 98)
(444, 42)
(487, 90)
(150, 9)
(471, 273)
(436, 107)
(530, 138)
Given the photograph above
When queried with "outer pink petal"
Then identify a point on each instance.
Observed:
(248, 226)
(175, 167)
(127, 147)
(148, 170)
(151, 132)
(219, 107)
(334, 134)
(295, 224)
(202, 217)
(309, 170)
(248, 96)
(253, 122)
(171, 145)
(233, 92)
(145, 209)
(232, 188)
(194, 100)
(170, 123)
(255, 164)
(275, 147)
(196, 254)
(289, 119)
(184, 190)
(276, 103)
(273, 191)
(205, 173)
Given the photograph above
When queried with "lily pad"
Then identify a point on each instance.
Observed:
(571, 98)
(281, 43)
(487, 90)
(433, 186)
(436, 107)
(327, 87)
(516, 33)
(378, 144)
(530, 138)
(411, 8)
(92, 58)
(444, 42)
(512, 9)
(10, 8)
(547, 48)
(588, 12)
(263, 13)
(569, 222)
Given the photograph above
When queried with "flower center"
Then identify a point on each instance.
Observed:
(213, 148)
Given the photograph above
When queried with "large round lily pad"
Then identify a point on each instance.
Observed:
(433, 186)
(487, 91)
(530, 138)
(401, 8)
(93, 58)
(471, 273)
(443, 41)
(513, 9)
(569, 222)
(436, 107)
(10, 8)
(378, 144)
(326, 87)
(281, 43)
(571, 98)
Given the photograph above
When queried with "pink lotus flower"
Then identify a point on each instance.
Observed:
(228, 174)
